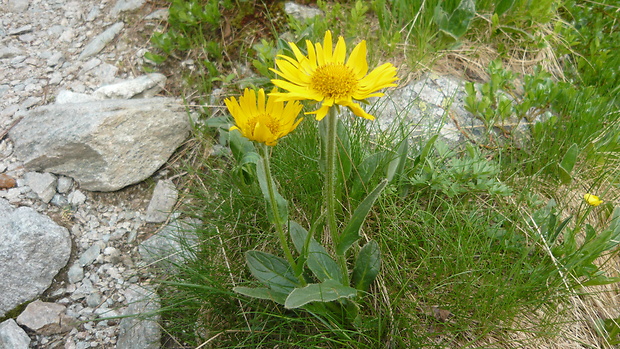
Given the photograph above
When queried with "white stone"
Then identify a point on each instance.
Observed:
(162, 202)
(43, 184)
(33, 248)
(12, 336)
(103, 145)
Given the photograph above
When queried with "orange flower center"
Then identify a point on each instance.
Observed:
(334, 81)
(264, 119)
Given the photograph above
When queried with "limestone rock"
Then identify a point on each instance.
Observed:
(145, 86)
(103, 145)
(18, 6)
(164, 197)
(43, 184)
(170, 245)
(12, 336)
(101, 40)
(301, 12)
(126, 5)
(435, 104)
(136, 332)
(27, 263)
(45, 318)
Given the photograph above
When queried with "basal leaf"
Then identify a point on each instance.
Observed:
(367, 266)
(262, 293)
(327, 291)
(273, 271)
(350, 233)
(317, 258)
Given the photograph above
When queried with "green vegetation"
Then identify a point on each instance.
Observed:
(486, 245)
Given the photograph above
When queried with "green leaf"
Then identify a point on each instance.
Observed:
(317, 258)
(240, 145)
(282, 204)
(327, 291)
(365, 170)
(367, 266)
(421, 158)
(273, 271)
(568, 163)
(397, 165)
(456, 23)
(262, 293)
(344, 152)
(502, 6)
(350, 234)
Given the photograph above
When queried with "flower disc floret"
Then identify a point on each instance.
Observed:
(261, 119)
(324, 76)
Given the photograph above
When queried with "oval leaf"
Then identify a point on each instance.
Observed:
(317, 258)
(327, 291)
(350, 234)
(273, 271)
(262, 293)
(367, 266)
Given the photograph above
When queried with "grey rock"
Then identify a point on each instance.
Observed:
(84, 289)
(45, 318)
(426, 105)
(18, 6)
(75, 273)
(59, 200)
(55, 59)
(65, 97)
(301, 12)
(9, 52)
(43, 184)
(101, 40)
(103, 145)
(76, 198)
(435, 104)
(171, 245)
(90, 255)
(93, 300)
(126, 5)
(27, 263)
(21, 30)
(164, 198)
(64, 184)
(12, 336)
(144, 86)
(137, 332)
(161, 14)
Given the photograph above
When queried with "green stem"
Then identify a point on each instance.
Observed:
(330, 187)
(276, 212)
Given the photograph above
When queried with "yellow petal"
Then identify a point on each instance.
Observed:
(357, 60)
(592, 200)
(340, 52)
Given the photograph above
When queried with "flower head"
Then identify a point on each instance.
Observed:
(263, 121)
(324, 76)
(592, 200)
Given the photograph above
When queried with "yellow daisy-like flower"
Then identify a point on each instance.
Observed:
(260, 120)
(325, 77)
(592, 200)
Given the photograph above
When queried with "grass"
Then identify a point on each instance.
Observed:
(489, 247)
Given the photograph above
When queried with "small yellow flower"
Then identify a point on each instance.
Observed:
(263, 122)
(325, 77)
(592, 200)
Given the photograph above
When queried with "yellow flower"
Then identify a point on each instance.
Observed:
(263, 122)
(592, 200)
(325, 77)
